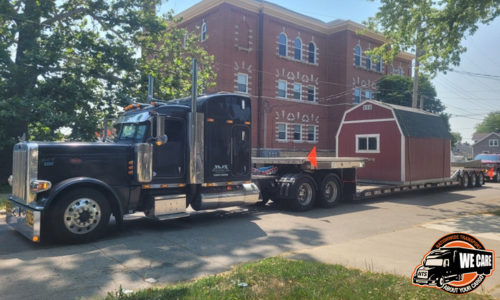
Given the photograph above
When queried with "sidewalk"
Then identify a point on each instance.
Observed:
(400, 252)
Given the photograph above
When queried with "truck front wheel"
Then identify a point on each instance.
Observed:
(440, 282)
(329, 194)
(304, 195)
(81, 215)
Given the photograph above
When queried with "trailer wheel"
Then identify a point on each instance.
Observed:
(464, 180)
(480, 179)
(81, 215)
(472, 180)
(329, 194)
(304, 194)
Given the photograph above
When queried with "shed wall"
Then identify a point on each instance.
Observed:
(387, 164)
(427, 158)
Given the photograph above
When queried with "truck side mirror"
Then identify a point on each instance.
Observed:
(161, 137)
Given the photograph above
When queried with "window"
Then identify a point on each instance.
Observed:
(203, 31)
(311, 133)
(298, 49)
(357, 95)
(242, 83)
(282, 89)
(379, 64)
(311, 93)
(493, 143)
(368, 95)
(392, 69)
(282, 45)
(312, 53)
(297, 91)
(368, 62)
(186, 38)
(400, 71)
(357, 56)
(369, 143)
(297, 132)
(282, 132)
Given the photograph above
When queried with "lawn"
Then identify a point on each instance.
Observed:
(280, 278)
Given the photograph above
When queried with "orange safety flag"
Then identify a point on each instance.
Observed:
(490, 173)
(312, 157)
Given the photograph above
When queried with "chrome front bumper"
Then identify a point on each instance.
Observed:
(24, 219)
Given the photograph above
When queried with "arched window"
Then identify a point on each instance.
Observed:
(312, 53)
(243, 37)
(298, 49)
(357, 56)
(400, 71)
(368, 64)
(379, 64)
(283, 43)
(203, 31)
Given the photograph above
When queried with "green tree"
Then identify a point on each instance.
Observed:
(395, 89)
(435, 27)
(70, 63)
(490, 124)
(398, 90)
(456, 138)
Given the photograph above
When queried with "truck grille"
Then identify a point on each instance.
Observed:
(24, 169)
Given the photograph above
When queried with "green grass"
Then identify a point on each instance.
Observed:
(280, 278)
(495, 212)
(5, 189)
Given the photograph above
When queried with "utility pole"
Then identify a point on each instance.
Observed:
(422, 97)
(415, 72)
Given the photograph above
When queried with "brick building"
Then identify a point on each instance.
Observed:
(307, 74)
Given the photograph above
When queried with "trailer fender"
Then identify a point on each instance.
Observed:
(79, 182)
(286, 182)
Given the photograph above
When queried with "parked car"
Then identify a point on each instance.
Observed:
(491, 166)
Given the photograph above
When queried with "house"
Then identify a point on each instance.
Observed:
(408, 145)
(301, 73)
(487, 144)
(463, 150)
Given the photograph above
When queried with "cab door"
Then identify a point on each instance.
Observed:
(169, 159)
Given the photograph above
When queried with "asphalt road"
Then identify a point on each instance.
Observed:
(211, 242)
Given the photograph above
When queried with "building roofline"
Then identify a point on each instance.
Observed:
(489, 135)
(278, 11)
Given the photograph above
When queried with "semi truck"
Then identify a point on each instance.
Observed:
(168, 156)
(448, 264)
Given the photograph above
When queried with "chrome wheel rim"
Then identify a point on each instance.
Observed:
(331, 192)
(82, 216)
(304, 194)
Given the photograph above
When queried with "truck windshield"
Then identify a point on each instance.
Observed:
(433, 262)
(135, 132)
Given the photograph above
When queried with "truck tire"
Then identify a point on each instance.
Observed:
(440, 282)
(495, 177)
(480, 179)
(80, 216)
(472, 179)
(330, 193)
(464, 181)
(304, 194)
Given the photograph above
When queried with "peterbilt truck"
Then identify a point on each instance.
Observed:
(165, 157)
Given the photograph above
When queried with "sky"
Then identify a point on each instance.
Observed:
(468, 99)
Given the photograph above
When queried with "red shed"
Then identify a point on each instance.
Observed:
(409, 145)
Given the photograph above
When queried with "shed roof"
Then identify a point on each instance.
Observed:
(418, 123)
